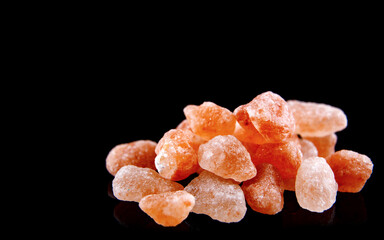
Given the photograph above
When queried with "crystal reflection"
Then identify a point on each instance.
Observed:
(349, 209)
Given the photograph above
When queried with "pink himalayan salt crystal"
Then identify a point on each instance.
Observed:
(244, 129)
(308, 149)
(168, 209)
(286, 157)
(351, 169)
(209, 120)
(317, 119)
(221, 199)
(268, 115)
(226, 157)
(176, 155)
(184, 125)
(139, 153)
(264, 193)
(316, 187)
(324, 145)
(132, 183)
(196, 140)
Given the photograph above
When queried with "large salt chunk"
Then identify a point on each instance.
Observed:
(209, 120)
(285, 156)
(245, 131)
(176, 155)
(140, 153)
(317, 119)
(168, 209)
(226, 157)
(315, 185)
(221, 199)
(132, 183)
(264, 193)
(351, 170)
(268, 115)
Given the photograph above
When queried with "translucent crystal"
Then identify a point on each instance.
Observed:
(168, 209)
(226, 157)
(315, 186)
(132, 183)
(221, 199)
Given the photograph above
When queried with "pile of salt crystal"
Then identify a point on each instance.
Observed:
(249, 156)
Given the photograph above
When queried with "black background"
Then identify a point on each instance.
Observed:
(120, 87)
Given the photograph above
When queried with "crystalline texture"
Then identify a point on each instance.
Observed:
(351, 170)
(269, 115)
(139, 153)
(308, 149)
(264, 193)
(286, 156)
(317, 119)
(221, 199)
(176, 155)
(168, 209)
(209, 120)
(132, 183)
(226, 157)
(316, 187)
(324, 145)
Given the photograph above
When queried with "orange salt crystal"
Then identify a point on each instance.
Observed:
(168, 209)
(184, 125)
(325, 145)
(264, 193)
(351, 170)
(286, 157)
(308, 149)
(248, 136)
(176, 155)
(139, 153)
(315, 185)
(209, 120)
(196, 140)
(245, 131)
(317, 119)
(269, 115)
(226, 157)
(221, 199)
(132, 183)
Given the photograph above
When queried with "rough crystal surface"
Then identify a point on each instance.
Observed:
(264, 193)
(315, 186)
(269, 115)
(221, 199)
(245, 131)
(317, 119)
(132, 183)
(226, 157)
(308, 149)
(168, 209)
(325, 145)
(176, 155)
(209, 120)
(140, 153)
(286, 156)
(351, 170)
